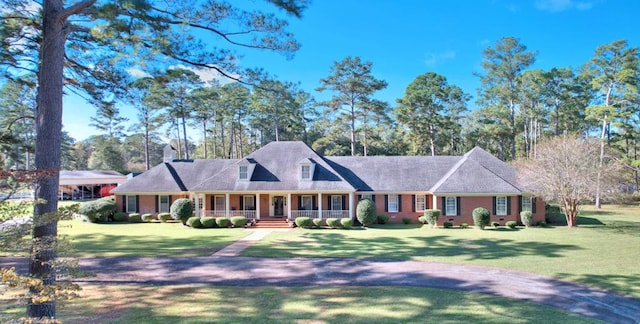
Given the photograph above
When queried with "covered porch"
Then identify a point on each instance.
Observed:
(285, 205)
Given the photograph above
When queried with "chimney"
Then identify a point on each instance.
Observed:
(169, 153)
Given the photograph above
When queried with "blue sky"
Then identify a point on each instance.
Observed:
(406, 38)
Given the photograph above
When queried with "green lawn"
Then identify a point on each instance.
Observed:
(198, 304)
(602, 252)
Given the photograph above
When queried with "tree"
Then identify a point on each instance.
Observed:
(566, 170)
(17, 105)
(366, 212)
(613, 72)
(353, 85)
(149, 117)
(429, 107)
(95, 44)
(504, 64)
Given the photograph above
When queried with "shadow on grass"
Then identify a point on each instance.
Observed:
(623, 284)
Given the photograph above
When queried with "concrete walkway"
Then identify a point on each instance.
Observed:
(236, 248)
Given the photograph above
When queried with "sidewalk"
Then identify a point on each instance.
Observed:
(236, 248)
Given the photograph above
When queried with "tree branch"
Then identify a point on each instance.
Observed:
(76, 8)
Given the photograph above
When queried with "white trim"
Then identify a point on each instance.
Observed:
(506, 206)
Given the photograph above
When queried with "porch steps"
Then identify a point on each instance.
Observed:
(271, 223)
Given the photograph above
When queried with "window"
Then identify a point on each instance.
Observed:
(132, 204)
(421, 202)
(164, 204)
(249, 202)
(305, 172)
(451, 206)
(527, 204)
(366, 196)
(501, 205)
(243, 172)
(219, 203)
(336, 202)
(306, 203)
(392, 204)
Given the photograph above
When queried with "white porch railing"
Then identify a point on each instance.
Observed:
(213, 213)
(249, 214)
(325, 214)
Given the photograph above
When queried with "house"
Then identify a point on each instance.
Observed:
(289, 180)
(87, 184)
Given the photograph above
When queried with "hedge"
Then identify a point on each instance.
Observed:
(481, 217)
(222, 222)
(238, 221)
(431, 217)
(526, 217)
(181, 210)
(135, 218)
(164, 217)
(383, 219)
(98, 210)
(333, 222)
(194, 222)
(317, 222)
(346, 223)
(303, 222)
(366, 212)
(208, 222)
(147, 217)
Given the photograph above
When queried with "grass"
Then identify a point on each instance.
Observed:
(200, 304)
(602, 251)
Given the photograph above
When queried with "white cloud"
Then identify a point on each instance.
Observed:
(137, 73)
(563, 5)
(433, 59)
(208, 76)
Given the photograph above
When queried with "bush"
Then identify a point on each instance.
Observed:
(406, 220)
(135, 218)
(383, 219)
(366, 212)
(464, 225)
(541, 224)
(526, 217)
(98, 210)
(303, 222)
(447, 224)
(431, 217)
(481, 217)
(181, 210)
(119, 217)
(208, 222)
(495, 224)
(511, 224)
(147, 217)
(346, 223)
(222, 222)
(317, 222)
(238, 221)
(422, 220)
(194, 222)
(164, 217)
(333, 222)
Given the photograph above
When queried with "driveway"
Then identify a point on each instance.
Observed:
(249, 271)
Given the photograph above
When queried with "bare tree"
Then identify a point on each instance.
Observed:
(566, 169)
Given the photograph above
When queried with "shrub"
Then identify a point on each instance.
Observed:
(303, 222)
(346, 223)
(194, 222)
(333, 222)
(406, 220)
(366, 212)
(164, 217)
(238, 221)
(98, 210)
(431, 217)
(541, 224)
(464, 225)
(222, 222)
(495, 224)
(481, 217)
(422, 220)
(317, 222)
(447, 224)
(383, 219)
(208, 222)
(135, 218)
(181, 210)
(119, 217)
(147, 217)
(526, 217)
(511, 224)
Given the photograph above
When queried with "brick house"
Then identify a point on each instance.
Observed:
(289, 180)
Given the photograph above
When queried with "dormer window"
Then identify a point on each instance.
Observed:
(305, 172)
(243, 172)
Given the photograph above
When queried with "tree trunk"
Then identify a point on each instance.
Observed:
(204, 137)
(146, 148)
(184, 137)
(512, 121)
(353, 128)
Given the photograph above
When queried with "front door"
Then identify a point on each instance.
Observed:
(278, 206)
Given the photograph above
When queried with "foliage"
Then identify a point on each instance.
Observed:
(222, 222)
(317, 222)
(526, 217)
(383, 219)
(366, 212)
(164, 217)
(303, 222)
(481, 217)
(422, 220)
(406, 220)
(333, 222)
(135, 218)
(431, 217)
(238, 221)
(447, 225)
(194, 222)
(181, 209)
(346, 223)
(541, 224)
(208, 222)
(119, 217)
(495, 224)
(511, 224)
(99, 210)
(146, 217)
(464, 225)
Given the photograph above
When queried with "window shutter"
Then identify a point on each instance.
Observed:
(157, 203)
(314, 203)
(373, 197)
(458, 206)
(137, 204)
(508, 205)
(386, 203)
(519, 204)
(241, 202)
(533, 205)
(213, 202)
(413, 203)
(124, 203)
(344, 202)
(300, 202)
(329, 204)
(494, 205)
(399, 203)
(444, 207)
(359, 197)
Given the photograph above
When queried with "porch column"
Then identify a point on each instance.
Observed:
(257, 206)
(197, 203)
(351, 205)
(435, 202)
(227, 202)
(319, 204)
(289, 206)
